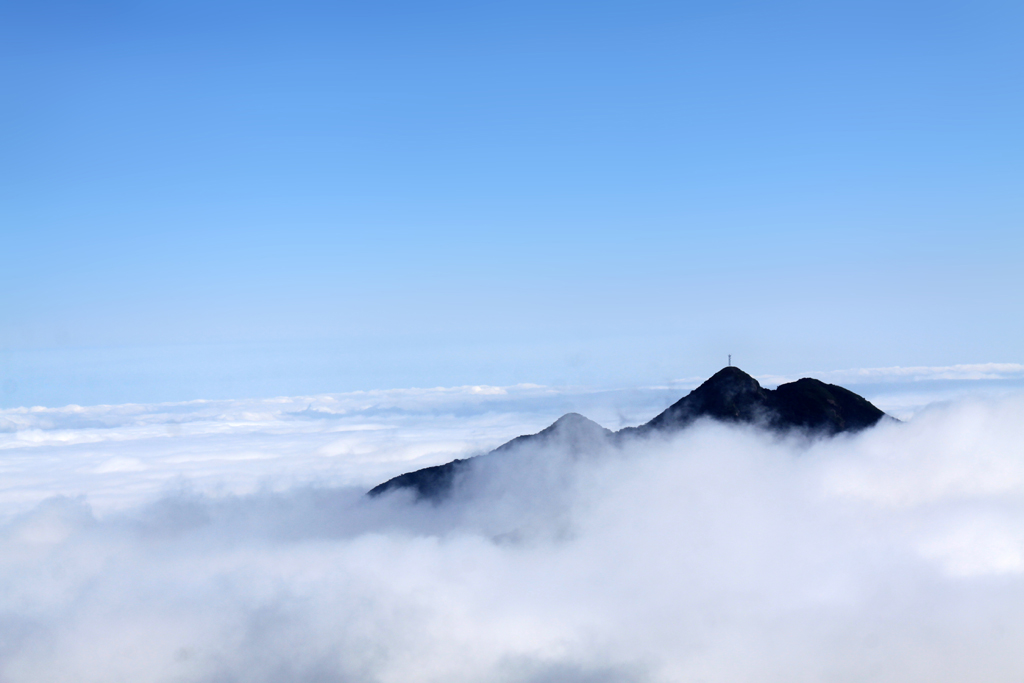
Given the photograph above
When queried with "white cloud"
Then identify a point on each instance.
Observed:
(722, 554)
(357, 438)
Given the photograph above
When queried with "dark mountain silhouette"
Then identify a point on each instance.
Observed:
(730, 395)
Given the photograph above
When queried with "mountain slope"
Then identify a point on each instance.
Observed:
(572, 432)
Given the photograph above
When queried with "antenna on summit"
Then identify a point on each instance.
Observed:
(730, 360)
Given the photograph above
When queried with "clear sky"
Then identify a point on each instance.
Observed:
(215, 199)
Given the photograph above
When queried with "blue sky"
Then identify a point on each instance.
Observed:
(250, 199)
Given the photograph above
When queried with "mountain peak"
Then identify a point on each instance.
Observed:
(572, 418)
(572, 428)
(730, 379)
(730, 394)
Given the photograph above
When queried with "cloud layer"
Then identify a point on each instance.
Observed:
(123, 455)
(721, 554)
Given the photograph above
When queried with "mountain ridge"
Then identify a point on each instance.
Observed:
(730, 395)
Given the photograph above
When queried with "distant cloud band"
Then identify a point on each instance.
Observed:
(916, 373)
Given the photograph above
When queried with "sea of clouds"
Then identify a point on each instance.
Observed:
(232, 541)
